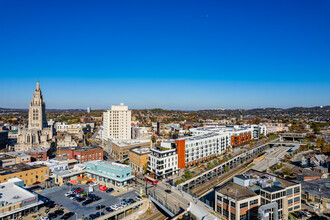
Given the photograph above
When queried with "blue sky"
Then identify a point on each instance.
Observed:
(166, 54)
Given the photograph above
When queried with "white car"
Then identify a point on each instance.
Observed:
(94, 184)
(68, 193)
(307, 213)
(313, 206)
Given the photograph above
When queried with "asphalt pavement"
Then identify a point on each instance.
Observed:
(57, 195)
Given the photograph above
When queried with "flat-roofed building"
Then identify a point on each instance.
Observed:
(30, 174)
(138, 158)
(54, 165)
(120, 150)
(317, 192)
(109, 172)
(16, 202)
(254, 185)
(38, 154)
(81, 154)
(236, 202)
(20, 156)
(163, 160)
(7, 160)
(117, 123)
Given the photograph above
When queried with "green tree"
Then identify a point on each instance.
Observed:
(226, 168)
(287, 171)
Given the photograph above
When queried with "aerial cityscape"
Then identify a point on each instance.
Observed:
(154, 110)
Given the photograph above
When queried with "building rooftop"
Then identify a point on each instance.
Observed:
(236, 191)
(47, 163)
(320, 187)
(108, 164)
(18, 168)
(18, 154)
(141, 151)
(38, 150)
(254, 174)
(6, 157)
(272, 189)
(131, 142)
(87, 148)
(12, 193)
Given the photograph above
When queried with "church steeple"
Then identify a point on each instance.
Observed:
(37, 111)
(38, 86)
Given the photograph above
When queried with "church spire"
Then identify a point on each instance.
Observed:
(38, 86)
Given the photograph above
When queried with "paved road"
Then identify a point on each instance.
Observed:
(57, 195)
(271, 159)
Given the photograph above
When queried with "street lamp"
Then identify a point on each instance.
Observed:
(76, 215)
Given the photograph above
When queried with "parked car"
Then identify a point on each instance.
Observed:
(87, 202)
(100, 207)
(52, 215)
(109, 190)
(80, 199)
(67, 215)
(98, 214)
(92, 216)
(109, 209)
(59, 212)
(79, 190)
(306, 213)
(94, 184)
(138, 198)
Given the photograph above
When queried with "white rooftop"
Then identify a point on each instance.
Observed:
(11, 193)
(125, 143)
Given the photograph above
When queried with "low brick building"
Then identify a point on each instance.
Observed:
(81, 154)
(38, 154)
(138, 158)
(120, 149)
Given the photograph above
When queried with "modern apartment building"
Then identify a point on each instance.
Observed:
(163, 160)
(197, 149)
(117, 123)
(242, 198)
(206, 143)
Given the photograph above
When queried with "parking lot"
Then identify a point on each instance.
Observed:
(57, 195)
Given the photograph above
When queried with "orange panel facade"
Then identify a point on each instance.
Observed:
(181, 151)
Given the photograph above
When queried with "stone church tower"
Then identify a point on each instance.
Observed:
(37, 111)
(37, 134)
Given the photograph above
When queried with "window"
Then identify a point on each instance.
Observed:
(253, 202)
(232, 204)
(243, 205)
(232, 216)
(297, 207)
(219, 209)
(243, 217)
(290, 201)
(289, 192)
(290, 209)
(226, 201)
(297, 199)
(296, 190)
(225, 213)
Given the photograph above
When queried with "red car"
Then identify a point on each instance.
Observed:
(79, 190)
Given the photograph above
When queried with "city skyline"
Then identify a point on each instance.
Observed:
(171, 55)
